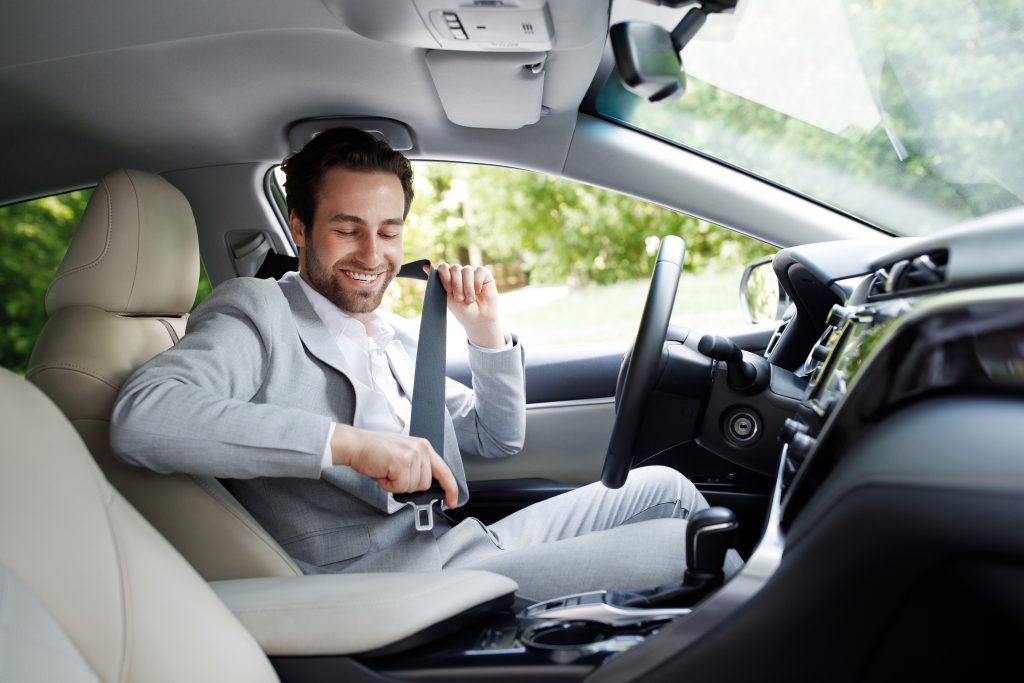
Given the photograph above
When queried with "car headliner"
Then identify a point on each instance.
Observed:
(163, 86)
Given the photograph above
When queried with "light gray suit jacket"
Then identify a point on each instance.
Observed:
(249, 396)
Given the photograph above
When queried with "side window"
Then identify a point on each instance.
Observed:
(34, 236)
(572, 261)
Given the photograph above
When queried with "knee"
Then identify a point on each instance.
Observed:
(670, 483)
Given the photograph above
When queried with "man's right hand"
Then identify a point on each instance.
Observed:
(399, 463)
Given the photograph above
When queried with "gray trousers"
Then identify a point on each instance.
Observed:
(591, 538)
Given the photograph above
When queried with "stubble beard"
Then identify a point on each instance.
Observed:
(325, 280)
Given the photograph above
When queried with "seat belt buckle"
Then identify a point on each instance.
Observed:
(422, 503)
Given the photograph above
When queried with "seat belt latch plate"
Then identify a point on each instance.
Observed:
(423, 515)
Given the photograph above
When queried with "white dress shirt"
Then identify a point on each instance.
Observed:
(380, 367)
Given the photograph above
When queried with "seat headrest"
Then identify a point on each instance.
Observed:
(135, 252)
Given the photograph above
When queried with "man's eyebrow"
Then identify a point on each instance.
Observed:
(347, 218)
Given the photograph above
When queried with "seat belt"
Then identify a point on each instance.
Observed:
(427, 419)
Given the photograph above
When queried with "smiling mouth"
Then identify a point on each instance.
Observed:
(363, 278)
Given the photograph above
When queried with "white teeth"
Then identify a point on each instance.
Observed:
(362, 277)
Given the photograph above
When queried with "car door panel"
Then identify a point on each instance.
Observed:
(569, 416)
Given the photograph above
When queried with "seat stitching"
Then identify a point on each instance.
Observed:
(74, 368)
(138, 243)
(122, 582)
(106, 247)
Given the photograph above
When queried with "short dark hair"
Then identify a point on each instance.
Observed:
(348, 148)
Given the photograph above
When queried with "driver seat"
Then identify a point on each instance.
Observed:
(121, 296)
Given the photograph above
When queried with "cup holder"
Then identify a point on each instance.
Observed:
(567, 635)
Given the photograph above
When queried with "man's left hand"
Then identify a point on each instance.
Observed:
(473, 300)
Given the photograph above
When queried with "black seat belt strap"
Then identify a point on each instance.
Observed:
(427, 420)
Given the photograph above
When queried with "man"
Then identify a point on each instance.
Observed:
(297, 394)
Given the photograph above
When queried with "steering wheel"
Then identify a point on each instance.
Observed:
(639, 371)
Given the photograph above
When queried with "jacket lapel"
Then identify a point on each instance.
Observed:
(311, 329)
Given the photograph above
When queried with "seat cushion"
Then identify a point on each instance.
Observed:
(130, 604)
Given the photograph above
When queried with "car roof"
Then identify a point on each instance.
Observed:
(161, 86)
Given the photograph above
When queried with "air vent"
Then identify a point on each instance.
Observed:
(879, 285)
(921, 272)
(909, 276)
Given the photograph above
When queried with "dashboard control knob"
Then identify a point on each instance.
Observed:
(820, 352)
(800, 447)
(836, 315)
(790, 428)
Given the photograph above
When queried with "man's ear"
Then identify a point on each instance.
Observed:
(298, 230)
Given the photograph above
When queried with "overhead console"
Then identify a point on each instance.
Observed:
(489, 59)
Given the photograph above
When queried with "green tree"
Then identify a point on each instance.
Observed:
(34, 236)
(556, 230)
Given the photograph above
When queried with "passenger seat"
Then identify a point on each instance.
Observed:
(121, 296)
(88, 590)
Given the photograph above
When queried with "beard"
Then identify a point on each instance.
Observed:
(326, 280)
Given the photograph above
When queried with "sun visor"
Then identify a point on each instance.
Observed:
(489, 90)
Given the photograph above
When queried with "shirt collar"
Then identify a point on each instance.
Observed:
(338, 322)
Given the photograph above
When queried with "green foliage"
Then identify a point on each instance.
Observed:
(547, 230)
(34, 236)
(33, 239)
(556, 231)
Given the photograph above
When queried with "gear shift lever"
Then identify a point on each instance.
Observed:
(709, 533)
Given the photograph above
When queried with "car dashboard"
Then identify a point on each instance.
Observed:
(891, 547)
(936, 316)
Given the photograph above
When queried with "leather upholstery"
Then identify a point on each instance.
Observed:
(32, 646)
(136, 251)
(128, 603)
(340, 614)
(126, 282)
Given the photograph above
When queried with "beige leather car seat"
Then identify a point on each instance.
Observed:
(120, 297)
(88, 590)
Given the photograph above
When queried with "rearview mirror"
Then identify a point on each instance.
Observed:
(760, 295)
(648, 61)
(648, 56)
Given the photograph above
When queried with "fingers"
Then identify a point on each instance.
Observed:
(464, 284)
(443, 474)
(398, 463)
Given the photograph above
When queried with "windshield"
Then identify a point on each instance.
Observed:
(908, 115)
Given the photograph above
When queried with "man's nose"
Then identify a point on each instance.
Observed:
(368, 250)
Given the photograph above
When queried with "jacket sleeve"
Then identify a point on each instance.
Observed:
(490, 419)
(190, 409)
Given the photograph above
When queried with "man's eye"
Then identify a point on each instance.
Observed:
(390, 235)
(345, 233)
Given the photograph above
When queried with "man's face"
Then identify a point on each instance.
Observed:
(355, 247)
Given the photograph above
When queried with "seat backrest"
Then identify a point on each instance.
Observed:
(120, 297)
(72, 549)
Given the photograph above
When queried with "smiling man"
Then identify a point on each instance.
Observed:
(298, 393)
